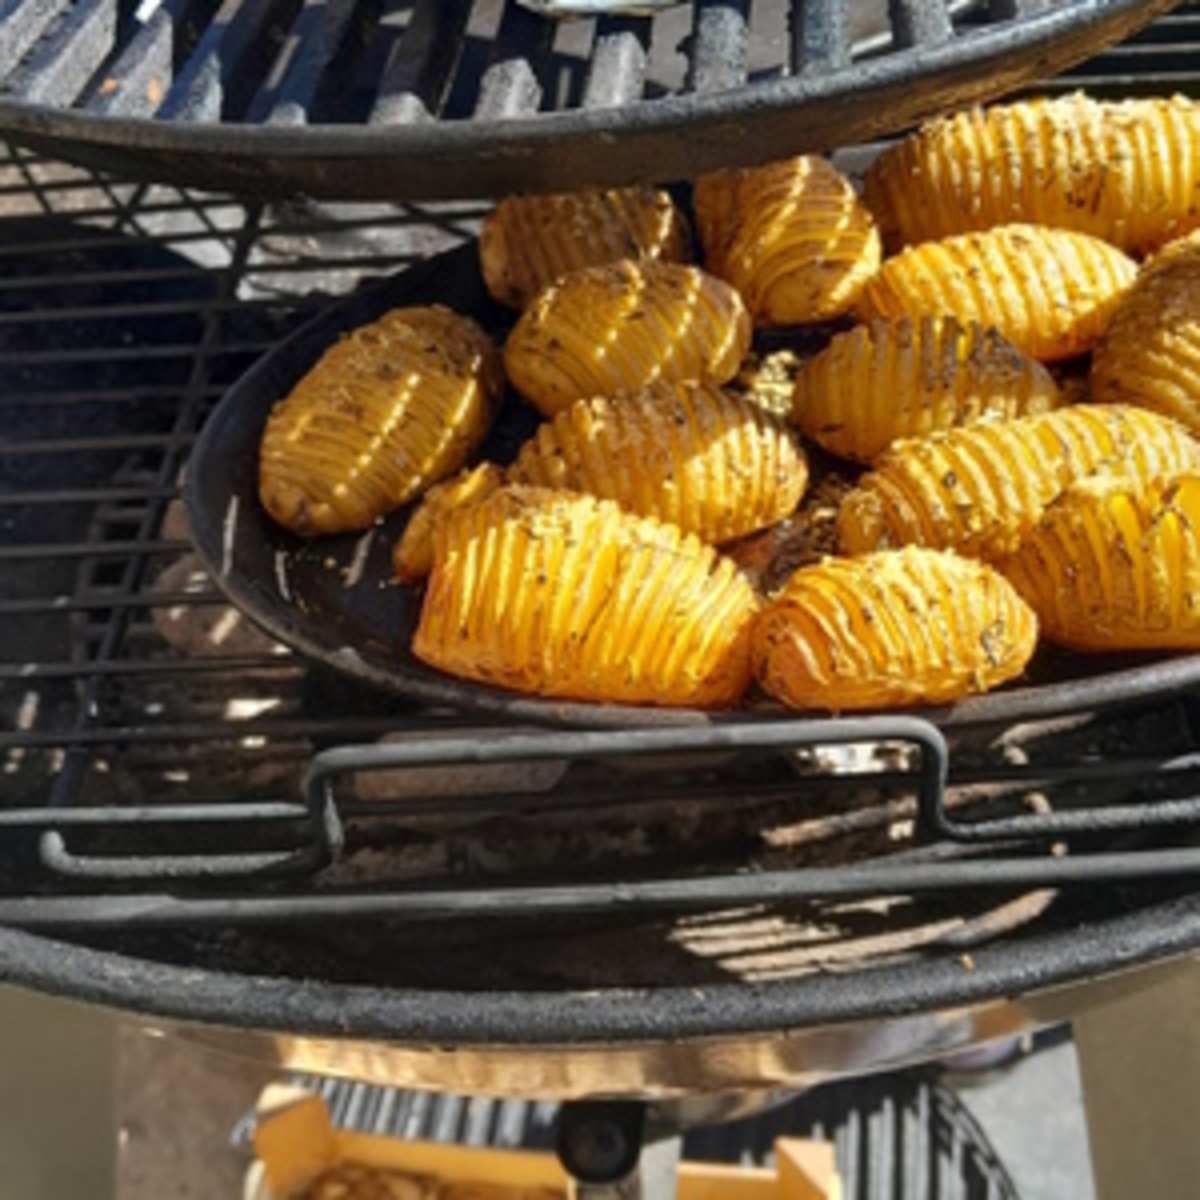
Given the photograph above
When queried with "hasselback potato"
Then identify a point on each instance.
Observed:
(412, 557)
(1126, 172)
(1150, 353)
(527, 242)
(893, 628)
(622, 327)
(909, 377)
(980, 489)
(1114, 564)
(792, 237)
(686, 453)
(564, 595)
(1048, 291)
(387, 410)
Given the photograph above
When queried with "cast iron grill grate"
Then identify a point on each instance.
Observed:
(154, 747)
(423, 98)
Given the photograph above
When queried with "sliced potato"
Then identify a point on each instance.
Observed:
(909, 377)
(1150, 353)
(981, 489)
(686, 453)
(559, 594)
(1048, 291)
(792, 237)
(892, 628)
(527, 242)
(389, 409)
(622, 327)
(1127, 172)
(1114, 564)
(412, 557)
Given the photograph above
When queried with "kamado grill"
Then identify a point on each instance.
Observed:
(205, 828)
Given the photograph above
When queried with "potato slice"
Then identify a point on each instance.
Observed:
(389, 409)
(564, 595)
(1114, 564)
(527, 242)
(1126, 172)
(894, 628)
(792, 237)
(622, 327)
(1048, 291)
(686, 453)
(981, 489)
(909, 377)
(412, 557)
(1150, 353)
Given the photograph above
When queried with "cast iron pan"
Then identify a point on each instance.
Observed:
(332, 599)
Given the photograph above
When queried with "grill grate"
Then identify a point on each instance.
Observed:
(154, 748)
(476, 97)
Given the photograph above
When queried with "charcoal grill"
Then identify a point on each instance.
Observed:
(196, 827)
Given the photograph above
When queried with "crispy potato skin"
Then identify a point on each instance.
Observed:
(792, 237)
(1150, 353)
(622, 327)
(1048, 291)
(558, 594)
(910, 377)
(686, 453)
(390, 408)
(528, 242)
(981, 489)
(891, 629)
(1126, 172)
(1114, 564)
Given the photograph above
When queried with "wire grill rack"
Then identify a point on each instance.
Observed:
(175, 785)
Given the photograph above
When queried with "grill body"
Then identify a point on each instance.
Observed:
(190, 832)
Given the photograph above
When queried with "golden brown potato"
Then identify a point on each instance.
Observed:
(412, 557)
(1114, 564)
(622, 327)
(1126, 172)
(792, 237)
(564, 595)
(893, 628)
(387, 410)
(1048, 291)
(1150, 353)
(981, 489)
(909, 377)
(527, 242)
(686, 453)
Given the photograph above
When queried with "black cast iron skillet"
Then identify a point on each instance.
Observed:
(332, 599)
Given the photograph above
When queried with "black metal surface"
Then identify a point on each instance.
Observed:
(150, 782)
(333, 598)
(415, 99)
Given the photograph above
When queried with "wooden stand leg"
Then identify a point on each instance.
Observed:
(1139, 1060)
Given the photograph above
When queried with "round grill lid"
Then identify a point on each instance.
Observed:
(419, 99)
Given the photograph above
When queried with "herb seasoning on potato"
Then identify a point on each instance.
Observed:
(1127, 172)
(622, 327)
(792, 237)
(1048, 291)
(389, 409)
(527, 242)
(894, 628)
(559, 594)
(1114, 564)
